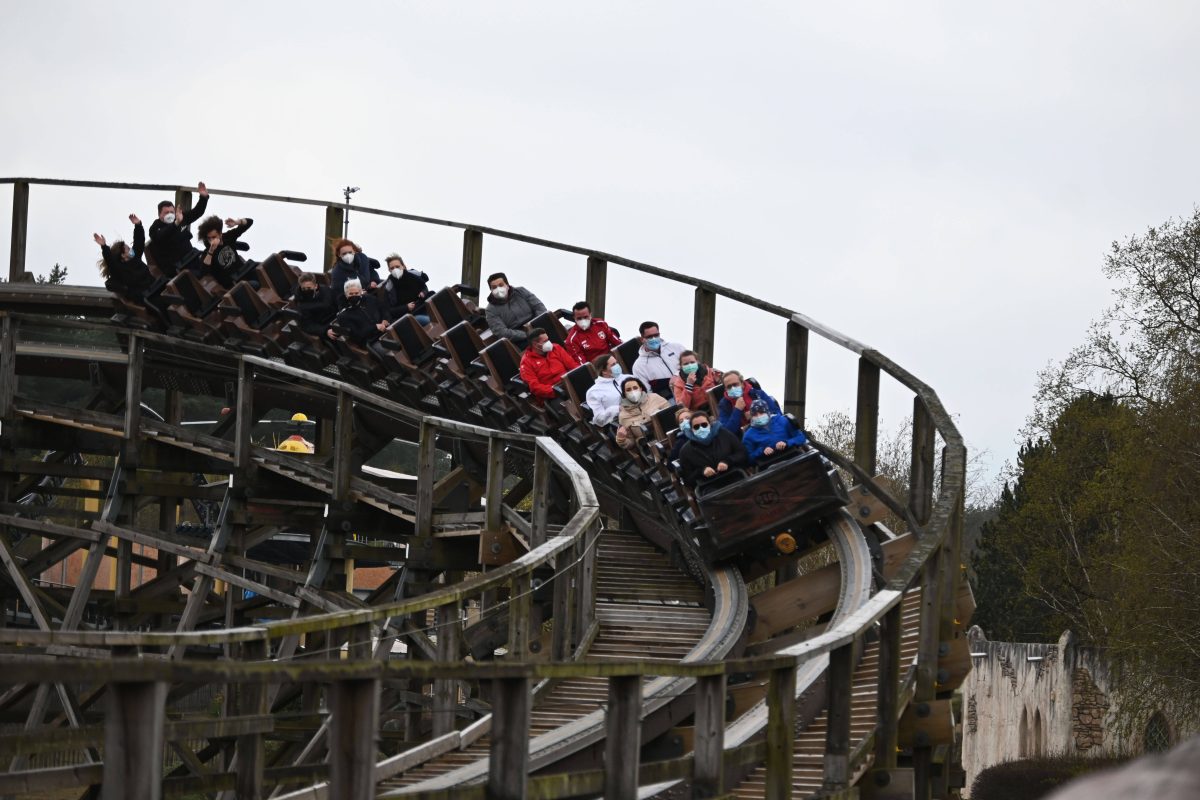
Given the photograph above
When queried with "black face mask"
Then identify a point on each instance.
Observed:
(354, 301)
(308, 294)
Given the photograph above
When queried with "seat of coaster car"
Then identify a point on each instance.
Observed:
(409, 340)
(549, 322)
(627, 353)
(576, 383)
(278, 279)
(512, 398)
(463, 345)
(249, 308)
(662, 423)
(448, 309)
(187, 290)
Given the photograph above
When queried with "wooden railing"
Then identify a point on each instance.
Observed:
(932, 564)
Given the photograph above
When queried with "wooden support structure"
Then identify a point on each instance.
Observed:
(343, 444)
(472, 259)
(353, 734)
(927, 653)
(445, 690)
(596, 288)
(335, 218)
(704, 324)
(708, 779)
(520, 629)
(508, 762)
(839, 681)
(623, 738)
(795, 372)
(541, 497)
(20, 232)
(781, 732)
(8, 364)
(920, 489)
(866, 416)
(426, 469)
(244, 419)
(133, 741)
(888, 688)
(251, 753)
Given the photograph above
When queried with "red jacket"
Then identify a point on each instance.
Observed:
(596, 340)
(542, 370)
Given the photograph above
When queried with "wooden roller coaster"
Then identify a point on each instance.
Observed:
(545, 616)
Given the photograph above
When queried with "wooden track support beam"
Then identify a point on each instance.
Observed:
(133, 741)
(508, 756)
(353, 731)
(623, 739)
(596, 289)
(708, 780)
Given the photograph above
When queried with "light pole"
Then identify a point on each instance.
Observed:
(349, 190)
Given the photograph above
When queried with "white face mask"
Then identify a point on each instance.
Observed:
(584, 323)
(348, 258)
(635, 396)
(547, 346)
(398, 273)
(169, 218)
(500, 292)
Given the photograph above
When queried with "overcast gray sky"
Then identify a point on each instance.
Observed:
(938, 180)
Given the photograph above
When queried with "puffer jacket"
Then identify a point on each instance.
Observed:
(638, 413)
(696, 397)
(541, 371)
(778, 429)
(508, 317)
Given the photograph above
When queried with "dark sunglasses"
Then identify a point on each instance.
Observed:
(699, 427)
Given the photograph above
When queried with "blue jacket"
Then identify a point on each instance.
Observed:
(779, 429)
(732, 418)
(363, 268)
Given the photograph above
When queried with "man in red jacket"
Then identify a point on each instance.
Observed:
(590, 337)
(544, 363)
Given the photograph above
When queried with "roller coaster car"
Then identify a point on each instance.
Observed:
(786, 492)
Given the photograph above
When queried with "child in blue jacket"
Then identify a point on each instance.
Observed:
(769, 433)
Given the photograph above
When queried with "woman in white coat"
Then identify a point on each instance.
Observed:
(604, 396)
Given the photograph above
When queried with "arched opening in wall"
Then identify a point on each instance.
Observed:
(1023, 735)
(1039, 742)
(1157, 738)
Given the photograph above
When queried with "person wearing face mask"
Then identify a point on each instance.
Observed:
(691, 384)
(683, 427)
(657, 360)
(406, 290)
(637, 407)
(316, 305)
(360, 318)
(352, 263)
(710, 450)
(510, 308)
(220, 259)
(171, 238)
(590, 336)
(739, 394)
(769, 433)
(121, 265)
(604, 396)
(544, 363)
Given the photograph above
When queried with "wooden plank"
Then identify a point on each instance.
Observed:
(541, 497)
(494, 491)
(709, 737)
(343, 444)
(888, 688)
(334, 218)
(25, 783)
(472, 260)
(133, 741)
(784, 606)
(133, 401)
(20, 232)
(596, 285)
(244, 418)
(866, 417)
(920, 491)
(927, 723)
(704, 324)
(795, 376)
(839, 687)
(623, 738)
(445, 690)
(508, 752)
(426, 468)
(520, 605)
(8, 365)
(353, 734)
(781, 732)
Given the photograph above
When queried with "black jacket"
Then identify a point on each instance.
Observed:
(131, 278)
(413, 287)
(695, 456)
(227, 262)
(172, 243)
(363, 268)
(359, 321)
(316, 312)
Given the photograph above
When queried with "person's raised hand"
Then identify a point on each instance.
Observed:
(202, 189)
(374, 285)
(99, 239)
(781, 445)
(230, 222)
(134, 219)
(740, 405)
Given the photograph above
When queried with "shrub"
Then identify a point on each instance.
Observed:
(1033, 778)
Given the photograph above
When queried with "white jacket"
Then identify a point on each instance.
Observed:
(660, 365)
(604, 399)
